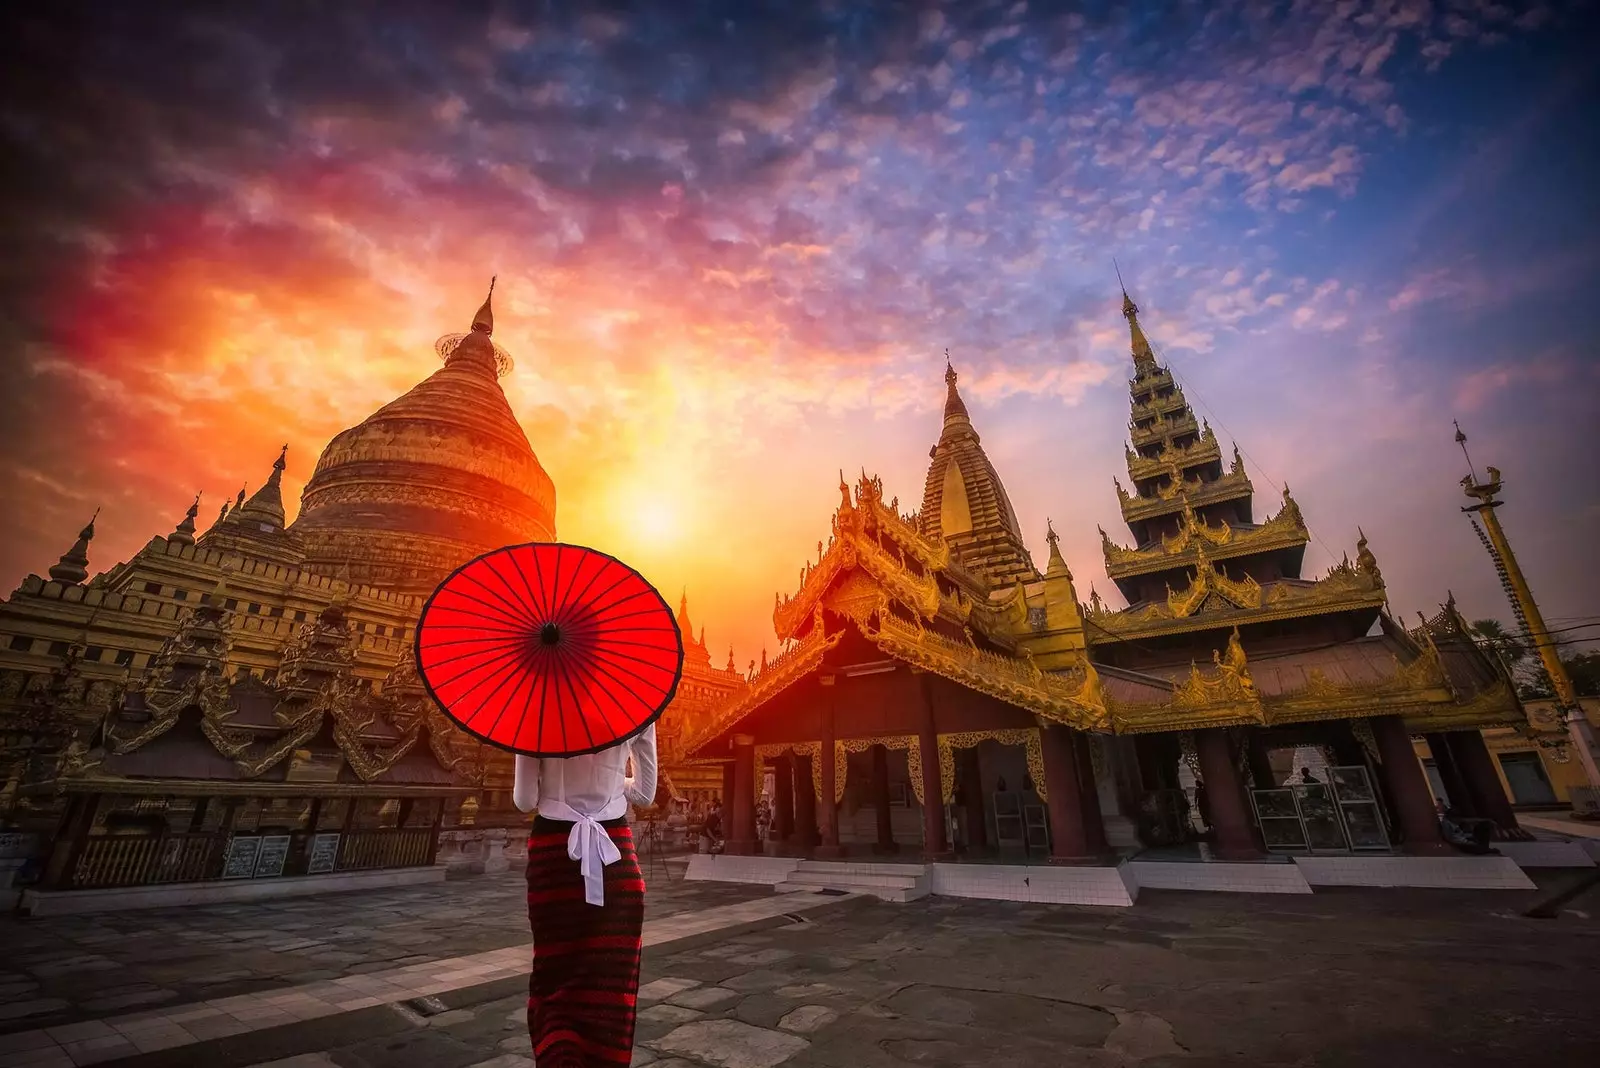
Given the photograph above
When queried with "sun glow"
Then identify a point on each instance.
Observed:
(657, 520)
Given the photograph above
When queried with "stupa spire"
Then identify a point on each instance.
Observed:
(1058, 563)
(184, 534)
(266, 504)
(476, 348)
(483, 321)
(955, 409)
(1144, 358)
(73, 567)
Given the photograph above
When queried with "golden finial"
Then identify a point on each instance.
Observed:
(484, 320)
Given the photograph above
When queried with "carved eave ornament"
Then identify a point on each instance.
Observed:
(872, 537)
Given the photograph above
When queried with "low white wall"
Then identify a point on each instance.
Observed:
(1547, 854)
(1459, 873)
(1219, 876)
(721, 868)
(172, 895)
(1065, 885)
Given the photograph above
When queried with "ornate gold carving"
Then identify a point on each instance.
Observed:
(1028, 738)
(1345, 586)
(1174, 458)
(1230, 486)
(1284, 530)
(1070, 697)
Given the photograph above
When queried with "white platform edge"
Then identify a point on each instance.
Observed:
(1044, 884)
(1457, 873)
(1547, 854)
(720, 868)
(177, 895)
(1219, 876)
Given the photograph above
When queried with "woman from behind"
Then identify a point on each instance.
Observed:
(585, 901)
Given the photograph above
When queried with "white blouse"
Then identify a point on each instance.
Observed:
(585, 791)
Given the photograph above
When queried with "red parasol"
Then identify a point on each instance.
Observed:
(549, 650)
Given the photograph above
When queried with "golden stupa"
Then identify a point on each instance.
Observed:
(429, 480)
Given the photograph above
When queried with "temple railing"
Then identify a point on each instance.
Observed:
(394, 847)
(106, 861)
(140, 860)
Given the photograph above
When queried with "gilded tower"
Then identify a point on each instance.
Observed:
(964, 502)
(1200, 564)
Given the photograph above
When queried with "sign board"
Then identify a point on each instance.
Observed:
(324, 854)
(274, 851)
(242, 854)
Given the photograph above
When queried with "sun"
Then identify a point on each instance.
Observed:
(657, 519)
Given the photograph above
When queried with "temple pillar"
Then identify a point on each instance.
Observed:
(742, 812)
(934, 845)
(1229, 807)
(783, 803)
(1065, 801)
(1409, 796)
(1259, 756)
(1094, 824)
(879, 788)
(72, 834)
(1458, 796)
(1483, 783)
(829, 846)
(805, 805)
(727, 795)
(970, 772)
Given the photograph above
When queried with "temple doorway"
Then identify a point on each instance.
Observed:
(997, 812)
(879, 812)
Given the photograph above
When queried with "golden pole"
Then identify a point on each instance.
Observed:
(1578, 728)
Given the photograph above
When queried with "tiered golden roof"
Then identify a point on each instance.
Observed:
(964, 502)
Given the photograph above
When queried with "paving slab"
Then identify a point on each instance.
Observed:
(67, 968)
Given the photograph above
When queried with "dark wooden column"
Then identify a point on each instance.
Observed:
(1483, 783)
(1230, 808)
(970, 772)
(1455, 785)
(805, 805)
(727, 796)
(1094, 824)
(1065, 800)
(829, 846)
(742, 813)
(783, 803)
(1409, 795)
(934, 845)
(72, 834)
(1260, 760)
(880, 801)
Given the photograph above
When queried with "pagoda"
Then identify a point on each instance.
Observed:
(255, 679)
(935, 685)
(1200, 565)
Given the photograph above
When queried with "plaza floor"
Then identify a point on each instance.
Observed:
(754, 980)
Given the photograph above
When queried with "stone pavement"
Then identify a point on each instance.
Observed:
(1183, 980)
(1186, 980)
(65, 969)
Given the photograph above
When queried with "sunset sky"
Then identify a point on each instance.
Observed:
(732, 248)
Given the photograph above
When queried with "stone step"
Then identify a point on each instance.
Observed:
(864, 879)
